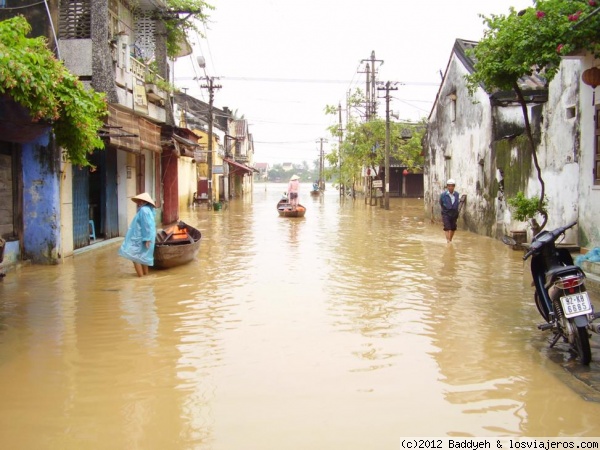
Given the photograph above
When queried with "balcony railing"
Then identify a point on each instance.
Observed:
(143, 72)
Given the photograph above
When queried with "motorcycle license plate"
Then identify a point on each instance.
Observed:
(576, 304)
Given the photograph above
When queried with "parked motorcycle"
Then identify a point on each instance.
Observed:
(560, 294)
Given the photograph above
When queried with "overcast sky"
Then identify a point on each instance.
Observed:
(280, 62)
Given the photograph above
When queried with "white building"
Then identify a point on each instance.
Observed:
(480, 141)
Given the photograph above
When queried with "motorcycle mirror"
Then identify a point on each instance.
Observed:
(508, 240)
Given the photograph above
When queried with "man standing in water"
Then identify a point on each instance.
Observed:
(293, 188)
(449, 202)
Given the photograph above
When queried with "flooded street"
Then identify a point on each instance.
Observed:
(346, 329)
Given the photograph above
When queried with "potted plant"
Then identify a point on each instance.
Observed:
(526, 209)
(157, 88)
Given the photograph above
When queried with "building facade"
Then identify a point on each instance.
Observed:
(480, 141)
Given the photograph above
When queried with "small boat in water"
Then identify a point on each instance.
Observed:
(285, 209)
(316, 190)
(176, 245)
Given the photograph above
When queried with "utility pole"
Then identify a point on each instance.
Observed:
(182, 113)
(371, 100)
(211, 96)
(389, 86)
(370, 113)
(368, 93)
(321, 165)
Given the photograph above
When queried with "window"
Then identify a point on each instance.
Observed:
(75, 19)
(452, 99)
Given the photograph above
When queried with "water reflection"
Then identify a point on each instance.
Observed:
(349, 328)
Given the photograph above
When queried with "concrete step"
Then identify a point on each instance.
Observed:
(590, 267)
(592, 282)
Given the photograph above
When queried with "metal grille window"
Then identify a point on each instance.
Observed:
(145, 41)
(75, 19)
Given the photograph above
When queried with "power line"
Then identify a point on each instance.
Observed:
(305, 80)
(282, 142)
(11, 8)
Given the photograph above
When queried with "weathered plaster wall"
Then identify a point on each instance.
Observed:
(126, 187)
(486, 151)
(556, 135)
(186, 174)
(163, 65)
(512, 166)
(589, 194)
(456, 146)
(125, 190)
(6, 196)
(66, 211)
(77, 56)
(41, 201)
(102, 65)
(559, 151)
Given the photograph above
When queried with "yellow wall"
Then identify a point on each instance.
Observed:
(66, 211)
(187, 184)
(216, 160)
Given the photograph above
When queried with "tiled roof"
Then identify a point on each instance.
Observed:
(463, 49)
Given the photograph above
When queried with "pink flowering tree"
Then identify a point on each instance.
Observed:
(533, 40)
(31, 76)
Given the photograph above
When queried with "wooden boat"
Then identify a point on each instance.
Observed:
(176, 245)
(285, 209)
(315, 192)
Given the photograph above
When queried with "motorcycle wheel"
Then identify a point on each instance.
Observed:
(541, 310)
(581, 344)
(580, 341)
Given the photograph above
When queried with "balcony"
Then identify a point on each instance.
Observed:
(148, 5)
(139, 88)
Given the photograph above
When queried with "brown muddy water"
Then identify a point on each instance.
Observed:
(346, 329)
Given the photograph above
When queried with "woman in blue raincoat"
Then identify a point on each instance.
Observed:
(141, 236)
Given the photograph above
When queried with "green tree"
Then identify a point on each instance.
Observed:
(181, 17)
(35, 79)
(363, 144)
(533, 40)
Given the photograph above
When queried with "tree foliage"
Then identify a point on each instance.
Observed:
(35, 79)
(525, 209)
(363, 144)
(533, 40)
(182, 17)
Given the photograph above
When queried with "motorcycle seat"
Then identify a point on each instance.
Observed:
(556, 272)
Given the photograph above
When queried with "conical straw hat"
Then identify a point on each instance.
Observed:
(144, 197)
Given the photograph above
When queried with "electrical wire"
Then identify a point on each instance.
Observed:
(283, 142)
(12, 8)
(212, 60)
(53, 29)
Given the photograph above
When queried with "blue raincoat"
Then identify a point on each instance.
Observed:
(142, 229)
